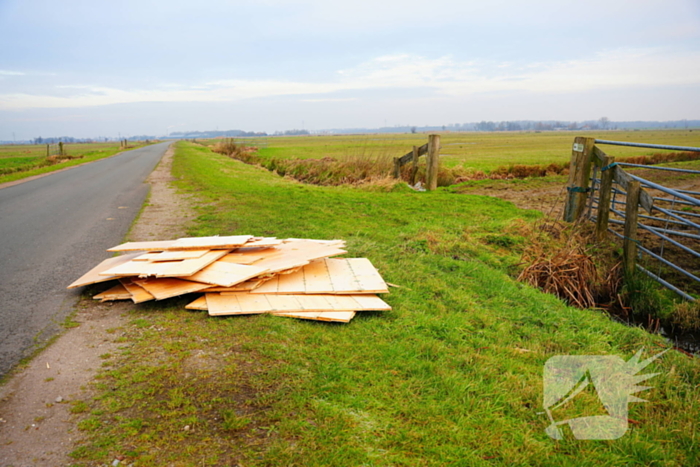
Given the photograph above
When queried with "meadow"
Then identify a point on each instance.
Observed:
(453, 375)
(21, 161)
(478, 151)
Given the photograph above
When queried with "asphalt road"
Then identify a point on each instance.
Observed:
(54, 229)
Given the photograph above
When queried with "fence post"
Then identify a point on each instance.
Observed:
(397, 168)
(414, 167)
(579, 173)
(433, 162)
(60, 148)
(48, 153)
(629, 246)
(604, 195)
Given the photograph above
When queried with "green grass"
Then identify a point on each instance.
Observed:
(21, 161)
(451, 376)
(478, 151)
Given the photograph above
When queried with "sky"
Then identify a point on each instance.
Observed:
(93, 68)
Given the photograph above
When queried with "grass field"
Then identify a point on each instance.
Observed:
(479, 151)
(451, 376)
(21, 161)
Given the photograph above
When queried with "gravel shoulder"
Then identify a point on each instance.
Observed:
(37, 426)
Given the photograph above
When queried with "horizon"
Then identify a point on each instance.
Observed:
(151, 67)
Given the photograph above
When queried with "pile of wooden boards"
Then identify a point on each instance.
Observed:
(243, 274)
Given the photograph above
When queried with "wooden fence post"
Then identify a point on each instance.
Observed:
(60, 148)
(579, 173)
(604, 195)
(433, 162)
(629, 245)
(48, 153)
(397, 168)
(414, 167)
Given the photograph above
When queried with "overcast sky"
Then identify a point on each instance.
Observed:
(89, 68)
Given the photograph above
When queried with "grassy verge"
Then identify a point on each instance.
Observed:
(451, 376)
(20, 162)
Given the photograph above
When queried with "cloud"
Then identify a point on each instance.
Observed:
(614, 69)
(10, 73)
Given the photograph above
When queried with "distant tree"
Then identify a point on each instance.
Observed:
(604, 122)
(413, 129)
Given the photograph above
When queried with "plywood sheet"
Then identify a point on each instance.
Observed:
(176, 255)
(329, 276)
(138, 293)
(225, 274)
(264, 242)
(295, 254)
(331, 316)
(118, 292)
(136, 268)
(246, 286)
(246, 303)
(186, 267)
(243, 257)
(169, 287)
(189, 267)
(143, 246)
(93, 276)
(211, 243)
(199, 304)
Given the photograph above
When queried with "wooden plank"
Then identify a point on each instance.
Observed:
(414, 166)
(604, 195)
(211, 243)
(93, 276)
(189, 267)
(118, 292)
(579, 178)
(143, 246)
(623, 179)
(599, 157)
(168, 287)
(433, 164)
(226, 274)
(138, 293)
(406, 158)
(199, 304)
(246, 303)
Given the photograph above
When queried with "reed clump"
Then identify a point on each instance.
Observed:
(561, 260)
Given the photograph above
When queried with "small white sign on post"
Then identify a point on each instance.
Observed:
(578, 147)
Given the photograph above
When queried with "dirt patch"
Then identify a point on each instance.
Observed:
(36, 426)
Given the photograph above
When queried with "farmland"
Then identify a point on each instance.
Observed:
(20, 161)
(478, 151)
(451, 376)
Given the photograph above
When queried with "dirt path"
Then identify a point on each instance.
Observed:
(36, 426)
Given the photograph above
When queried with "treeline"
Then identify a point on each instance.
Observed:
(214, 134)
